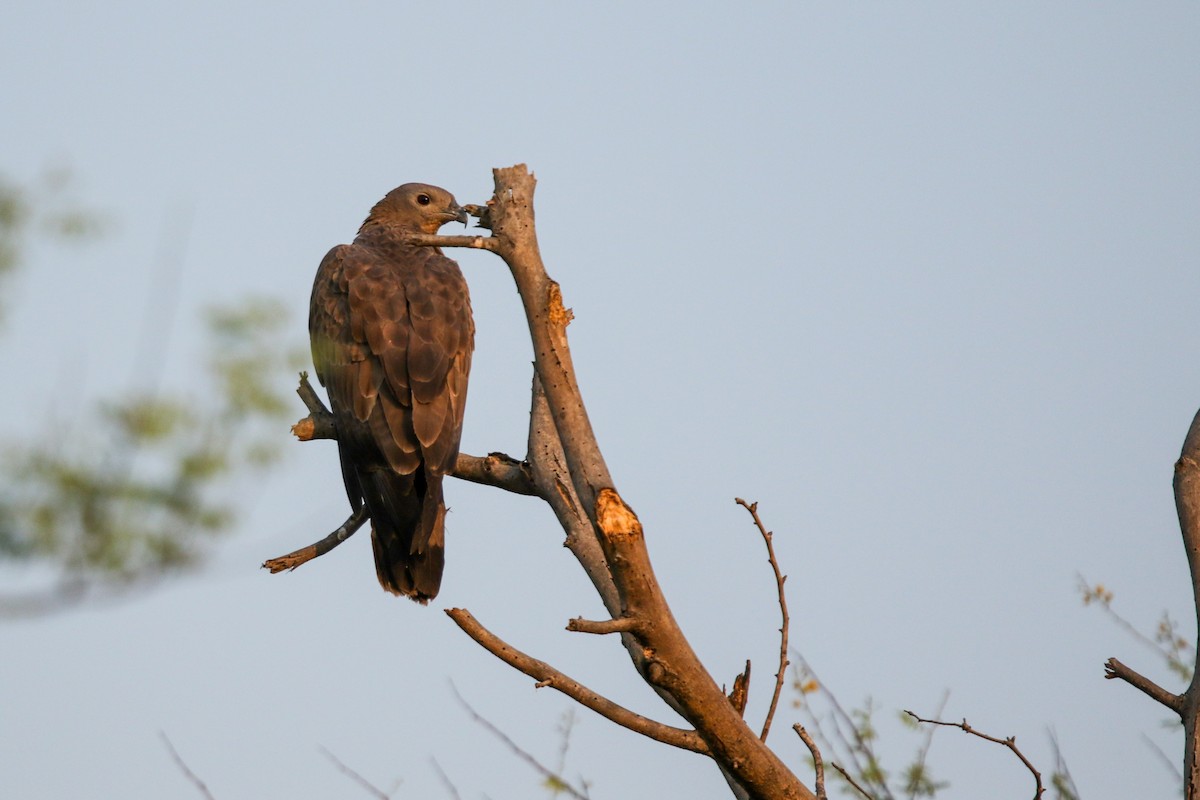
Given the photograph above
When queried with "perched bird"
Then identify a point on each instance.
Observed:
(392, 335)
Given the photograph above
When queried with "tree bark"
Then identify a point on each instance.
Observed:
(1187, 504)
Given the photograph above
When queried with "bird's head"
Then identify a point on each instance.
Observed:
(416, 208)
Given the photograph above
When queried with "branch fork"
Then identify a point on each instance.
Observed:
(565, 467)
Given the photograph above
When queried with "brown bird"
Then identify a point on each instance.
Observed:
(392, 335)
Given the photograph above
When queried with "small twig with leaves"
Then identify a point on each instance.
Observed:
(1010, 743)
(183, 767)
(853, 731)
(780, 578)
(1167, 641)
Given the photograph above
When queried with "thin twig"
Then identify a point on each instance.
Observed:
(547, 675)
(851, 781)
(450, 787)
(923, 752)
(783, 628)
(434, 240)
(818, 765)
(183, 767)
(525, 756)
(1010, 743)
(354, 776)
(1115, 669)
(306, 554)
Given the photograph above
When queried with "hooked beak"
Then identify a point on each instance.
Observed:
(457, 213)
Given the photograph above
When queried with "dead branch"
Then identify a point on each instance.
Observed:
(1115, 669)
(619, 625)
(818, 765)
(781, 675)
(1010, 743)
(306, 554)
(499, 470)
(740, 694)
(558, 780)
(565, 467)
(436, 240)
(547, 675)
(183, 767)
(586, 489)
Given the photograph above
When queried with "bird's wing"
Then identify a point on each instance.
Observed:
(392, 344)
(441, 339)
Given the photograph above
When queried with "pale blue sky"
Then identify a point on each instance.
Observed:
(921, 278)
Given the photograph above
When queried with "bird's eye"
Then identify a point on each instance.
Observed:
(423, 199)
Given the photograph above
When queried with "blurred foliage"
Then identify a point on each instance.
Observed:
(141, 486)
(136, 488)
(47, 208)
(1166, 640)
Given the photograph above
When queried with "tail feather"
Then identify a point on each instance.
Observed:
(407, 531)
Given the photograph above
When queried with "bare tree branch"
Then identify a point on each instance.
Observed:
(923, 751)
(472, 242)
(1115, 669)
(1010, 743)
(547, 675)
(657, 646)
(558, 780)
(780, 676)
(619, 625)
(499, 470)
(818, 764)
(183, 767)
(354, 776)
(305, 554)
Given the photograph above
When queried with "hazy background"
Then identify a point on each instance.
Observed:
(918, 277)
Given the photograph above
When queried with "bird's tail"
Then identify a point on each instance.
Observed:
(407, 531)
